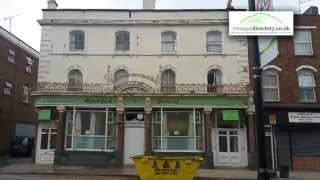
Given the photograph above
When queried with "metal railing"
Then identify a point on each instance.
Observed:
(234, 89)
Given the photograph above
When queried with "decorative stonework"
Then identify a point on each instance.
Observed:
(142, 88)
(251, 107)
(167, 67)
(120, 101)
(115, 69)
(148, 101)
(207, 110)
(135, 88)
(61, 108)
(76, 66)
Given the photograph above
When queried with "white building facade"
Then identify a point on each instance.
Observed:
(113, 83)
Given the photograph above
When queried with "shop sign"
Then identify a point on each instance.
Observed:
(231, 115)
(272, 119)
(304, 117)
(166, 101)
(140, 101)
(98, 100)
(44, 115)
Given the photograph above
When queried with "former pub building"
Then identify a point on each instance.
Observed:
(113, 83)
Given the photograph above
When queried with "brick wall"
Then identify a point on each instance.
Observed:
(289, 62)
(12, 108)
(306, 163)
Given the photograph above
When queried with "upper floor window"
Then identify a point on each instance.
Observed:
(122, 41)
(213, 41)
(270, 85)
(168, 81)
(303, 42)
(29, 65)
(8, 88)
(306, 85)
(214, 78)
(77, 39)
(121, 76)
(75, 80)
(26, 94)
(168, 41)
(11, 56)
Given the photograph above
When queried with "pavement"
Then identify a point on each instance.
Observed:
(23, 168)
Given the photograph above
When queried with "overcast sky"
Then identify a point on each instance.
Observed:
(27, 12)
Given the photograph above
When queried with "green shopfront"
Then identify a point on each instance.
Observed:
(108, 129)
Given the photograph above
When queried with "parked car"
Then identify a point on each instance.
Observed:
(22, 147)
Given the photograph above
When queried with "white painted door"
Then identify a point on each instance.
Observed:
(46, 145)
(229, 148)
(133, 143)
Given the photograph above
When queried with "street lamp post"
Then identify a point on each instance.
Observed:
(262, 171)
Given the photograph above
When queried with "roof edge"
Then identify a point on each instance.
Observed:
(31, 49)
(145, 10)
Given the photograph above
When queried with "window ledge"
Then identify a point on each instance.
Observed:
(76, 51)
(304, 55)
(271, 101)
(214, 53)
(124, 52)
(178, 151)
(308, 102)
(173, 53)
(90, 150)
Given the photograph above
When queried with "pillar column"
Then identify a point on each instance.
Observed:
(147, 130)
(61, 131)
(120, 135)
(251, 139)
(208, 137)
(251, 133)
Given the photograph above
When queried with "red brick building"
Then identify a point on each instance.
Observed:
(18, 76)
(292, 95)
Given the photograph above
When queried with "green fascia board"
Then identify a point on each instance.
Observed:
(140, 100)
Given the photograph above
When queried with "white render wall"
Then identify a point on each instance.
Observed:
(191, 63)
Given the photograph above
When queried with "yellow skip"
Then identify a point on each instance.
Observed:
(166, 168)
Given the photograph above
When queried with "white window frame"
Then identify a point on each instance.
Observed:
(307, 42)
(116, 34)
(78, 81)
(11, 56)
(194, 132)
(272, 87)
(8, 88)
(29, 65)
(175, 42)
(26, 94)
(73, 48)
(73, 112)
(51, 131)
(167, 86)
(307, 87)
(214, 43)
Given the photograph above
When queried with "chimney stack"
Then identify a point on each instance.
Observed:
(149, 4)
(52, 4)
